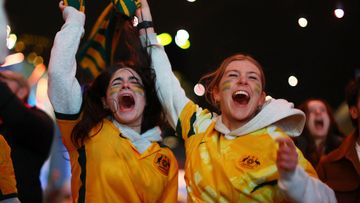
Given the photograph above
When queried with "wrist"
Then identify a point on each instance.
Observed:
(145, 24)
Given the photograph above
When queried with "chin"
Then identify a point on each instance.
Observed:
(320, 135)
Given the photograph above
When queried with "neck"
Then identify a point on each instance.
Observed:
(232, 124)
(319, 142)
(136, 127)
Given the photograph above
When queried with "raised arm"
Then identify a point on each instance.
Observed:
(64, 90)
(169, 90)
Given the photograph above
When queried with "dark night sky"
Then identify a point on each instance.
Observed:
(323, 56)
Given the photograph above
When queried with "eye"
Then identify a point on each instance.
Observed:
(253, 77)
(312, 110)
(134, 81)
(116, 83)
(232, 75)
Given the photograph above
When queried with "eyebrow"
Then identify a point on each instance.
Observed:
(117, 79)
(134, 77)
(122, 79)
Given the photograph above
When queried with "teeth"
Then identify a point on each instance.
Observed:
(125, 94)
(241, 92)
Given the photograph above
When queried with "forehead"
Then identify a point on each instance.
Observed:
(125, 73)
(316, 104)
(242, 66)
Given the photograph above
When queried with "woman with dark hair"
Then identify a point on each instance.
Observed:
(321, 133)
(340, 168)
(111, 131)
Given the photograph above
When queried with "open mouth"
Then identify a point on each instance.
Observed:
(126, 102)
(241, 97)
(319, 123)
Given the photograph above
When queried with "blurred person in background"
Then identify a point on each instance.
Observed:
(28, 131)
(8, 190)
(321, 134)
(340, 169)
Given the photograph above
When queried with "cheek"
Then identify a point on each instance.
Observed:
(139, 91)
(113, 91)
(310, 119)
(257, 88)
(327, 119)
(225, 85)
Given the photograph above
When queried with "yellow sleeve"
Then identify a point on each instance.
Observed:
(7, 176)
(66, 127)
(193, 120)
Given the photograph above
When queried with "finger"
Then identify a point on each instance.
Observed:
(286, 162)
(286, 165)
(286, 143)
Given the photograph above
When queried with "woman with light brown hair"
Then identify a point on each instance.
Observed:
(245, 153)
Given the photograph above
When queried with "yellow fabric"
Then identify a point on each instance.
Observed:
(7, 176)
(116, 172)
(222, 170)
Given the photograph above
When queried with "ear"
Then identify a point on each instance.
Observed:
(262, 98)
(216, 94)
(354, 113)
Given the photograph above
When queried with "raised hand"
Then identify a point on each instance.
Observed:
(287, 157)
(144, 18)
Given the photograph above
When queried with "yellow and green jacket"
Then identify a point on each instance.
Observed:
(234, 166)
(109, 168)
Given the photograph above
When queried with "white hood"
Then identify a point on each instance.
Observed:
(277, 112)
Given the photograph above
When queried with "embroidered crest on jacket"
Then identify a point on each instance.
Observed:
(162, 163)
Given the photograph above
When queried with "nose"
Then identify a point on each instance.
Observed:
(126, 85)
(242, 79)
(317, 111)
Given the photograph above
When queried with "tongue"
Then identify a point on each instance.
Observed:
(241, 98)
